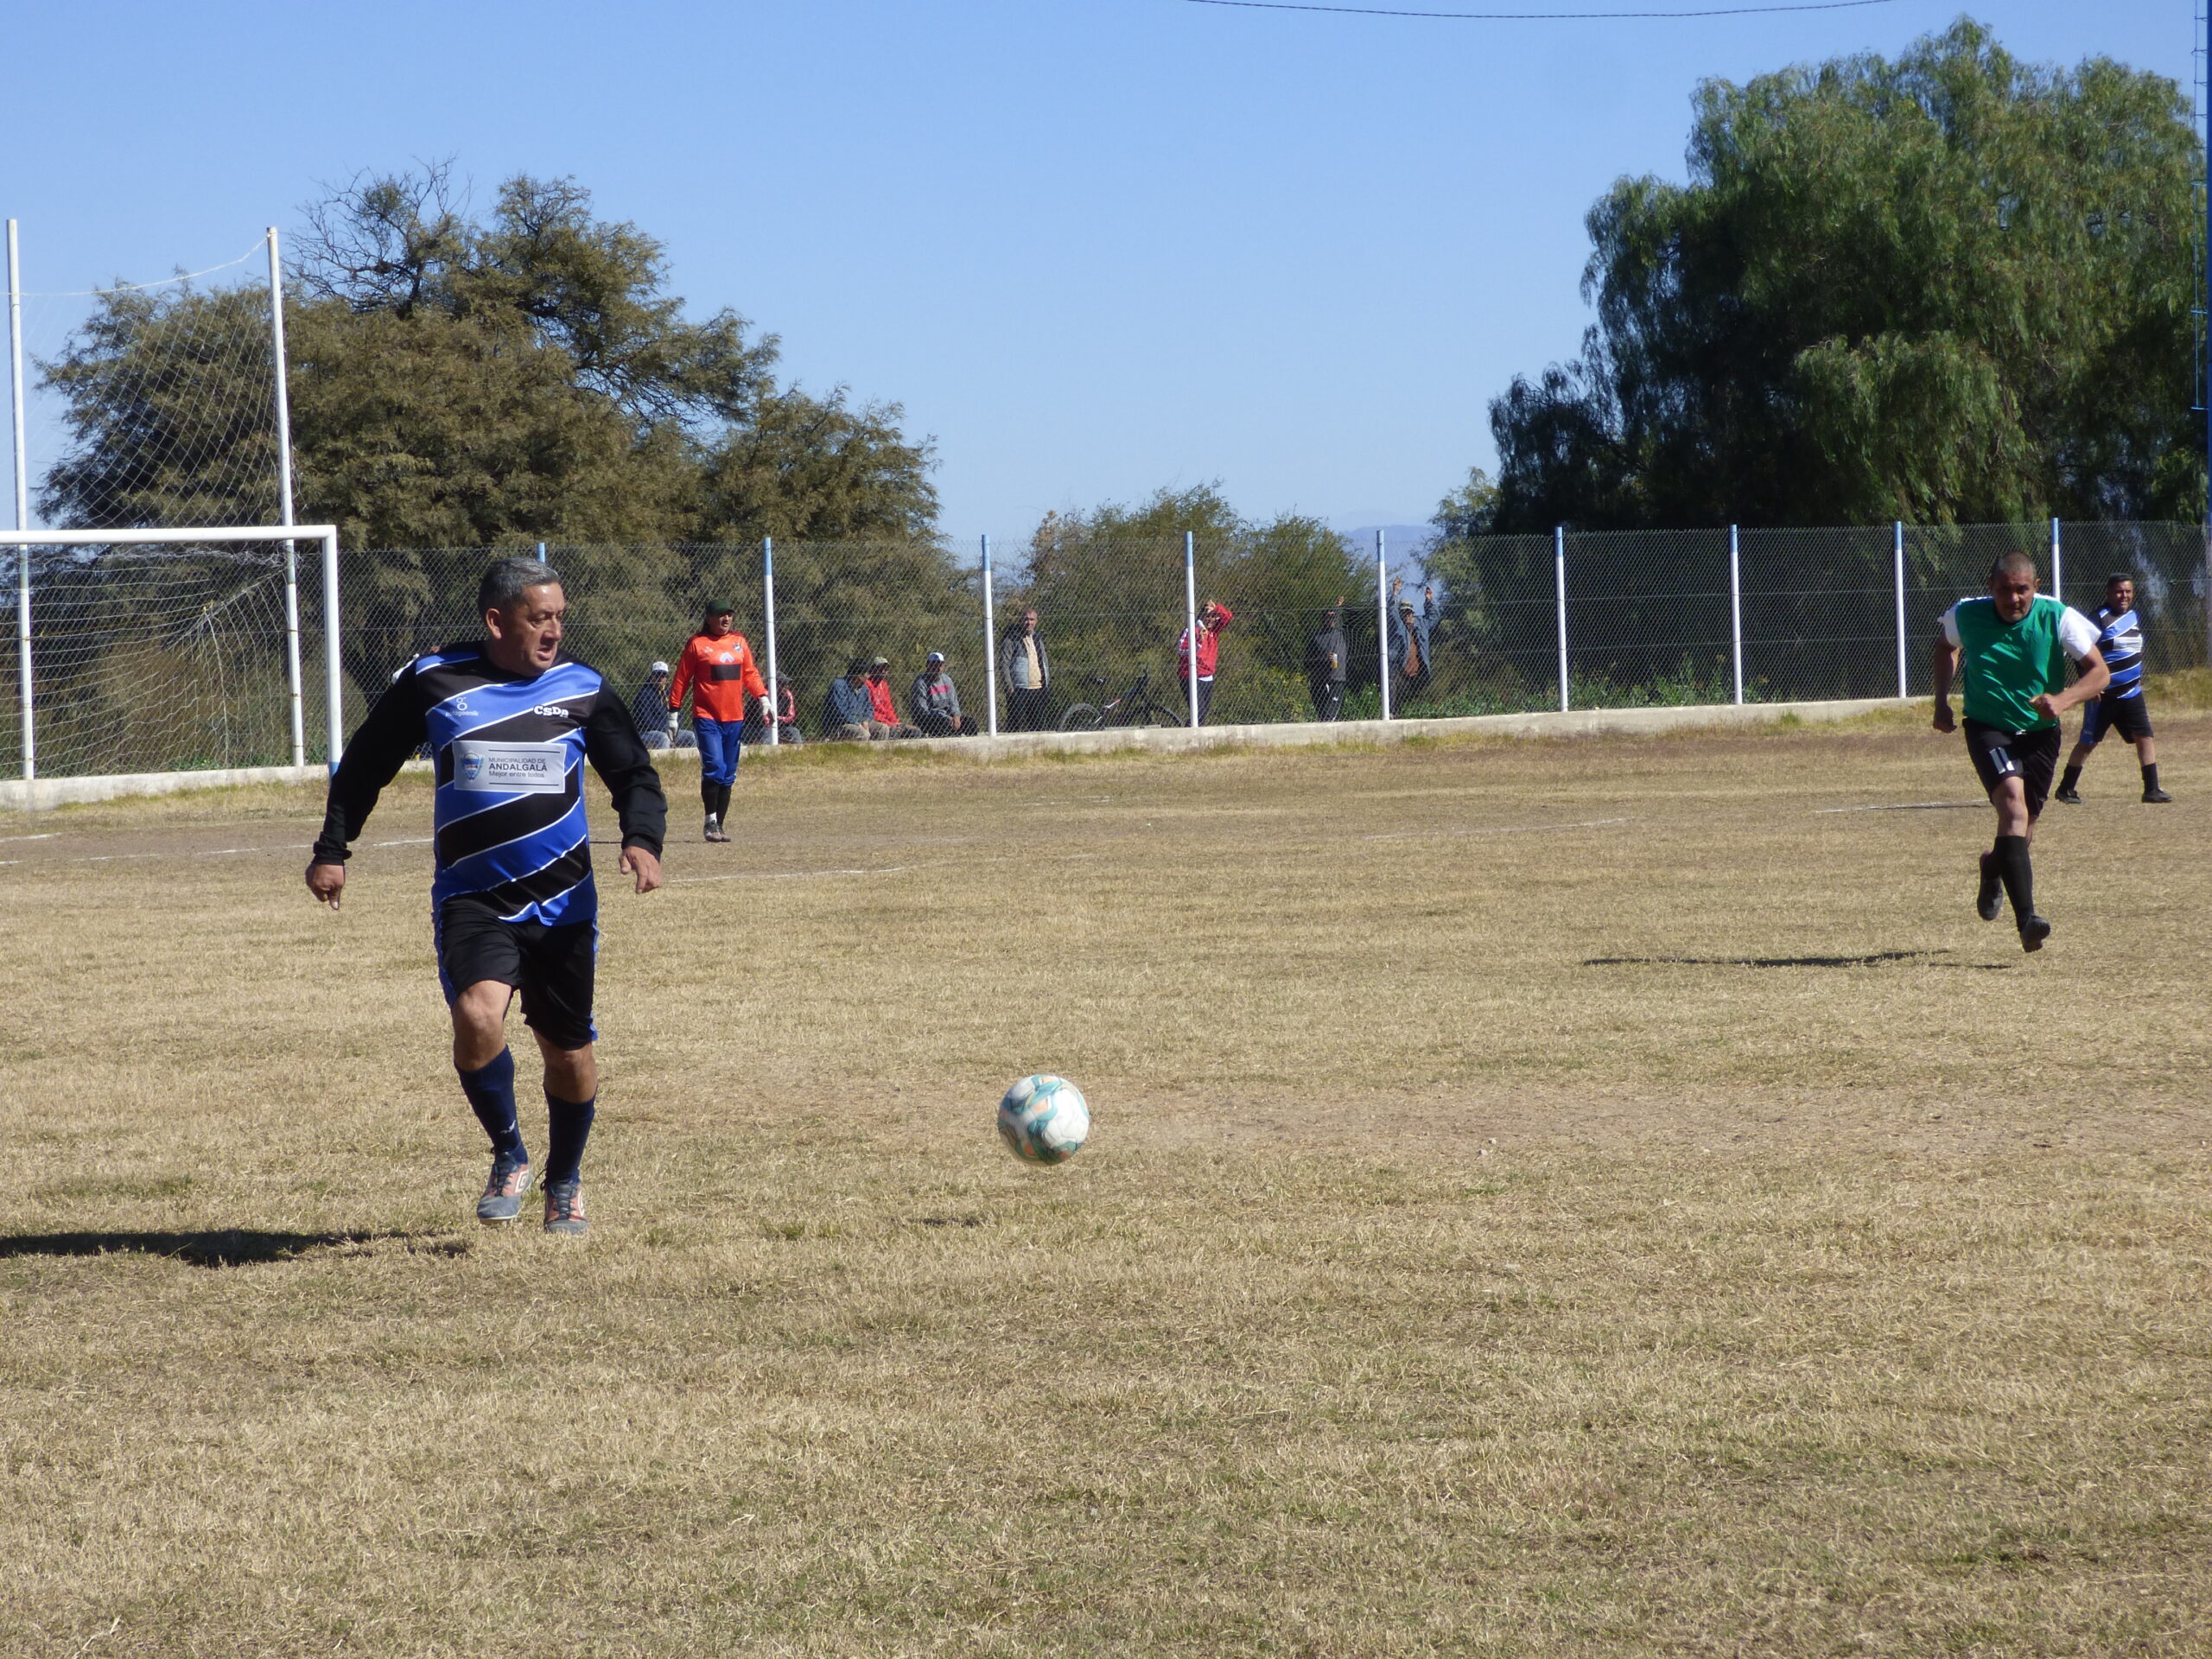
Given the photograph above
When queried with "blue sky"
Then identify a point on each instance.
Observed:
(1093, 246)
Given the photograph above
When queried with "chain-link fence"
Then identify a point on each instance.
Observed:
(152, 658)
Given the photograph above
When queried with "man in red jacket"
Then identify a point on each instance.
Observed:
(716, 667)
(1213, 617)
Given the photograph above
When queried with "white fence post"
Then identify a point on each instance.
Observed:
(2057, 565)
(990, 643)
(284, 501)
(23, 686)
(768, 624)
(1896, 530)
(1190, 619)
(1559, 587)
(1736, 610)
(332, 674)
(1383, 622)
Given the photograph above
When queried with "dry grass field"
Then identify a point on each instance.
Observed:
(1580, 1197)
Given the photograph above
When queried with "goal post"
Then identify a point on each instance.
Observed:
(93, 581)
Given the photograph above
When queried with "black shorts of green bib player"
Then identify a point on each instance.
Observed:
(2010, 652)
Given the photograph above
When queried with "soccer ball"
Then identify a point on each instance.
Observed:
(1044, 1119)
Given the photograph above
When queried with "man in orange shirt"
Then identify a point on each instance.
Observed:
(716, 667)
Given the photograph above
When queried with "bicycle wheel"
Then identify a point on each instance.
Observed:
(1167, 718)
(1082, 717)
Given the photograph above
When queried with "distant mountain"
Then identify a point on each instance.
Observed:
(1402, 544)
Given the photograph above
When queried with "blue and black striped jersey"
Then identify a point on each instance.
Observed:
(2120, 639)
(509, 752)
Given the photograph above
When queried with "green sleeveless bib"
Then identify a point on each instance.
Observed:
(2009, 664)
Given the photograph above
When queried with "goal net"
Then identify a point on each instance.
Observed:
(137, 648)
(163, 651)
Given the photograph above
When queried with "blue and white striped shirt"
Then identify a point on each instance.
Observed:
(2119, 639)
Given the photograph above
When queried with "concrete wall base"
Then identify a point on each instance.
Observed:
(48, 792)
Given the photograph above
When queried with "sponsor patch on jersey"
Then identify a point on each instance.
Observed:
(511, 768)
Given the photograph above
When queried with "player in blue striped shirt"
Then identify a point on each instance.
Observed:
(511, 721)
(2121, 709)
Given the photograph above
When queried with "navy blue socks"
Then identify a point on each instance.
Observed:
(491, 1091)
(570, 1126)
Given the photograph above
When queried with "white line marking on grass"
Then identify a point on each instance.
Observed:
(1499, 830)
(49, 836)
(1899, 806)
(781, 876)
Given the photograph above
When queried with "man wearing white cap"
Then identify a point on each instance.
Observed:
(935, 701)
(649, 707)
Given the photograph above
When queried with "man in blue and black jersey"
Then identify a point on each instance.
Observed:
(2121, 709)
(509, 722)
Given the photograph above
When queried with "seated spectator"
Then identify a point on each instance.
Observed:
(883, 719)
(846, 712)
(935, 701)
(787, 731)
(649, 708)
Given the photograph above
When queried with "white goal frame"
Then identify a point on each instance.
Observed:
(291, 535)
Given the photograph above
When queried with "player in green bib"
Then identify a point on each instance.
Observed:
(2013, 648)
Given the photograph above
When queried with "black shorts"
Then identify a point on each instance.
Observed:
(551, 966)
(2129, 716)
(2030, 756)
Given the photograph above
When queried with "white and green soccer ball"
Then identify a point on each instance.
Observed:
(1044, 1119)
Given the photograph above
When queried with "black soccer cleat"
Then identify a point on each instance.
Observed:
(2156, 797)
(2071, 797)
(2033, 932)
(1989, 898)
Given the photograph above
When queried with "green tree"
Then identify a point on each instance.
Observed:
(1108, 585)
(1949, 288)
(460, 383)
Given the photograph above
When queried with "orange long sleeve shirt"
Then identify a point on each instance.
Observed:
(720, 676)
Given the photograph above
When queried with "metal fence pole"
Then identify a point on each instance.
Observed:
(1383, 622)
(23, 686)
(1896, 531)
(1559, 587)
(2057, 565)
(1735, 609)
(1190, 619)
(990, 643)
(333, 675)
(284, 500)
(768, 623)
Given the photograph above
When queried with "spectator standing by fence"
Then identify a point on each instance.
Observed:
(1410, 645)
(1027, 668)
(1328, 654)
(1198, 662)
(716, 667)
(934, 701)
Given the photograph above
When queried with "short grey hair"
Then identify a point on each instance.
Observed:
(502, 584)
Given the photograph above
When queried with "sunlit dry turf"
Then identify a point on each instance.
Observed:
(1583, 1197)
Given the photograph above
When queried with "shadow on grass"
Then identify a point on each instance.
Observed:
(1871, 961)
(232, 1246)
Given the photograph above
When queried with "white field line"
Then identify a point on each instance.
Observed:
(1499, 829)
(49, 835)
(1898, 806)
(781, 876)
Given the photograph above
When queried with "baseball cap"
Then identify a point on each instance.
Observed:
(879, 662)
(937, 656)
(715, 608)
(660, 668)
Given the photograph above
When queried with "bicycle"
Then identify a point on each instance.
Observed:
(1135, 707)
